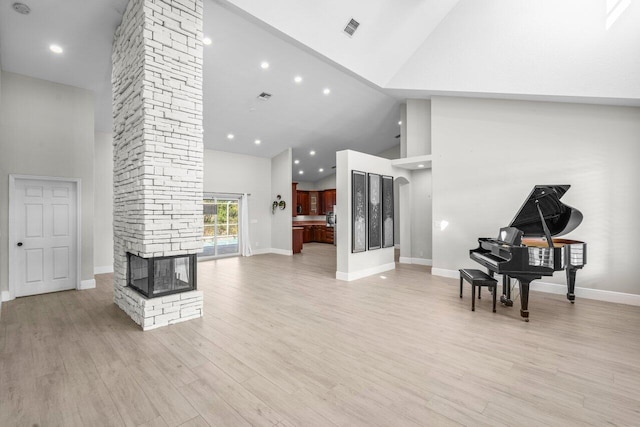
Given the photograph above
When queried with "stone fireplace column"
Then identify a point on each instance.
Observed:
(158, 148)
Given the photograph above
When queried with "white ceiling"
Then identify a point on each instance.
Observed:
(571, 51)
(388, 35)
(354, 115)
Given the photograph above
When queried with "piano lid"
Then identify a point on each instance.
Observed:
(560, 218)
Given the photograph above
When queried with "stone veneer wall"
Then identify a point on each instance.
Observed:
(158, 148)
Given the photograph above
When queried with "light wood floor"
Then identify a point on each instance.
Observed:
(283, 343)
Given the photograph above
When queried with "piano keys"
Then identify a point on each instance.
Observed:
(527, 250)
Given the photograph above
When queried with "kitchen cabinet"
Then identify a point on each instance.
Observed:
(294, 197)
(314, 203)
(307, 235)
(328, 237)
(297, 239)
(303, 202)
(329, 199)
(317, 233)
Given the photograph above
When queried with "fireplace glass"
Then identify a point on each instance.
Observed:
(156, 277)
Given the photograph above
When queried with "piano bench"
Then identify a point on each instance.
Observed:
(478, 278)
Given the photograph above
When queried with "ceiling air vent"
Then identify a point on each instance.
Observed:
(351, 27)
(264, 96)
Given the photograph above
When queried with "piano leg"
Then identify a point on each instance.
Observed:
(524, 299)
(571, 283)
(505, 298)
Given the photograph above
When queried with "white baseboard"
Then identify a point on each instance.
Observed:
(281, 251)
(559, 289)
(261, 251)
(588, 293)
(355, 275)
(5, 296)
(452, 274)
(103, 269)
(87, 284)
(419, 261)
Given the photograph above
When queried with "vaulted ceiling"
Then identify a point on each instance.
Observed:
(569, 51)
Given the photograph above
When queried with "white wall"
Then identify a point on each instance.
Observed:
(239, 173)
(103, 203)
(421, 217)
(352, 266)
(488, 155)
(327, 183)
(391, 153)
(46, 129)
(551, 48)
(281, 237)
(418, 127)
(306, 186)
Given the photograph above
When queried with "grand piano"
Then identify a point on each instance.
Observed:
(526, 250)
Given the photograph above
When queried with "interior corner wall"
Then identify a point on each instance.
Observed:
(392, 153)
(352, 266)
(421, 217)
(46, 129)
(488, 155)
(239, 173)
(281, 220)
(103, 203)
(326, 183)
(418, 127)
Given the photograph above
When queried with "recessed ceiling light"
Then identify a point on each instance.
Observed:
(55, 48)
(207, 41)
(312, 153)
(326, 91)
(264, 65)
(230, 136)
(296, 161)
(301, 172)
(400, 122)
(320, 170)
(297, 79)
(257, 141)
(421, 165)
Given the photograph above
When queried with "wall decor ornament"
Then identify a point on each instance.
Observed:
(278, 203)
(374, 214)
(358, 211)
(387, 212)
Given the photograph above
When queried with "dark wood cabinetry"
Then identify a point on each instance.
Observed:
(328, 200)
(294, 199)
(303, 202)
(328, 237)
(317, 233)
(297, 239)
(312, 202)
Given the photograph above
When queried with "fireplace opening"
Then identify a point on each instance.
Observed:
(159, 276)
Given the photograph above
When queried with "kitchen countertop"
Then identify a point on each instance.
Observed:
(303, 223)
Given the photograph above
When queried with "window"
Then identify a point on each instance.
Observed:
(221, 226)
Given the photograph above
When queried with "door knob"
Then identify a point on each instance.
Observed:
(19, 243)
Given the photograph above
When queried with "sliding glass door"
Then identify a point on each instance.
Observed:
(221, 225)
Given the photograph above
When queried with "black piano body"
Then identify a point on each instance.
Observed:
(527, 250)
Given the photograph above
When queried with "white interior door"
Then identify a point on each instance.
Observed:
(45, 236)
